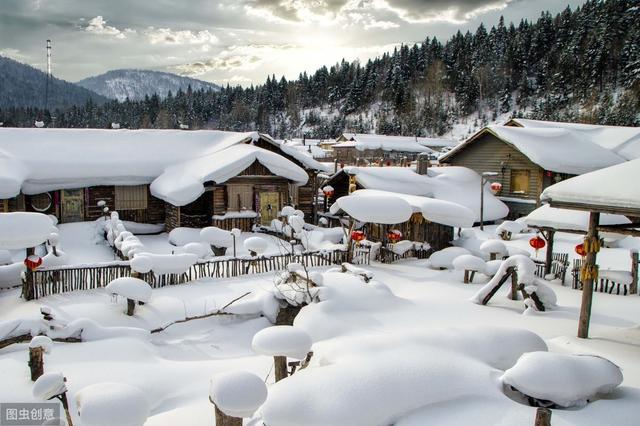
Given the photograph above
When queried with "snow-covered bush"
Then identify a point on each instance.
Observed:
(133, 289)
(23, 230)
(280, 342)
(443, 259)
(294, 286)
(202, 250)
(219, 239)
(108, 404)
(509, 227)
(237, 393)
(469, 263)
(565, 380)
(401, 247)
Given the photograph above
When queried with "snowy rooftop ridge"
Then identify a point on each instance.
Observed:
(614, 188)
(177, 162)
(363, 141)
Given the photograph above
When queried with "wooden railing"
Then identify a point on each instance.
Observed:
(45, 282)
(559, 266)
(602, 285)
(386, 255)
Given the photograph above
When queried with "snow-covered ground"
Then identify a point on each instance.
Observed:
(368, 338)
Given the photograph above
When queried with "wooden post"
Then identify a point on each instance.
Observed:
(587, 285)
(514, 284)
(543, 417)
(36, 362)
(131, 305)
(224, 420)
(280, 367)
(481, 202)
(27, 286)
(549, 236)
(633, 289)
(65, 405)
(466, 276)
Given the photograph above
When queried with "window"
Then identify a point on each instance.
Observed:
(131, 197)
(519, 181)
(240, 197)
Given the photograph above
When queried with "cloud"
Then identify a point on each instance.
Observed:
(98, 25)
(169, 36)
(345, 11)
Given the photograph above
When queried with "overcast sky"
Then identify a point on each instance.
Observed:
(236, 41)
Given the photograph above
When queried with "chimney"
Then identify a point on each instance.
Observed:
(422, 163)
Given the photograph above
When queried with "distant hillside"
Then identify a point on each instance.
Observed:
(24, 86)
(136, 84)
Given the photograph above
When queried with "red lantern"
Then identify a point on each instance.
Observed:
(328, 191)
(357, 236)
(580, 250)
(394, 235)
(33, 261)
(496, 187)
(537, 242)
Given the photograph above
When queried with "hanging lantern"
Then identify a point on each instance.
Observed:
(394, 235)
(537, 243)
(496, 187)
(328, 191)
(357, 236)
(548, 173)
(33, 261)
(580, 250)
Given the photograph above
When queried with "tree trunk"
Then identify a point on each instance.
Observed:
(131, 305)
(224, 420)
(549, 236)
(587, 285)
(36, 363)
(27, 286)
(543, 417)
(280, 367)
(634, 273)
(287, 314)
(466, 276)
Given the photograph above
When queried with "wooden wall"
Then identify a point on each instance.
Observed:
(154, 213)
(490, 154)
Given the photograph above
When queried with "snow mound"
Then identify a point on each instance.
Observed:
(282, 340)
(216, 236)
(182, 236)
(202, 250)
(443, 259)
(510, 226)
(49, 385)
(130, 288)
(257, 245)
(387, 209)
(469, 262)
(260, 302)
(5, 258)
(22, 230)
(170, 263)
(494, 246)
(401, 247)
(237, 393)
(567, 380)
(107, 404)
(86, 330)
(11, 275)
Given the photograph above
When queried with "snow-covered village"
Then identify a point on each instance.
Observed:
(319, 213)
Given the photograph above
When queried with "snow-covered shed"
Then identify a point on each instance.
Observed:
(185, 178)
(360, 148)
(530, 155)
(442, 198)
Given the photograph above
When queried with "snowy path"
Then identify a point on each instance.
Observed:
(82, 244)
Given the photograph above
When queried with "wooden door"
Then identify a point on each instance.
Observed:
(72, 205)
(269, 206)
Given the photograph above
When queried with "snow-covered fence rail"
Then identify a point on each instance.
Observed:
(48, 281)
(387, 255)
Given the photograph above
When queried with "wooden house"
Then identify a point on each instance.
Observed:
(364, 149)
(527, 159)
(180, 178)
(441, 198)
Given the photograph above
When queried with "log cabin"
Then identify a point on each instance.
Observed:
(530, 155)
(179, 178)
(355, 149)
(430, 191)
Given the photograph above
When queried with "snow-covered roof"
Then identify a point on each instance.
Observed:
(363, 142)
(301, 153)
(177, 163)
(624, 141)
(574, 220)
(458, 185)
(556, 149)
(615, 188)
(438, 211)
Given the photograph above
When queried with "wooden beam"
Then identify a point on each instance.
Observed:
(624, 211)
(587, 285)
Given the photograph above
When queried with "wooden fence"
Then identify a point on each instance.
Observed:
(602, 285)
(559, 266)
(45, 282)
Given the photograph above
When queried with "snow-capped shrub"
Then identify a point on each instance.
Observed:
(216, 237)
(566, 380)
(282, 340)
(237, 393)
(107, 404)
(469, 262)
(401, 247)
(288, 211)
(21, 230)
(494, 247)
(141, 264)
(297, 223)
(256, 245)
(202, 250)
